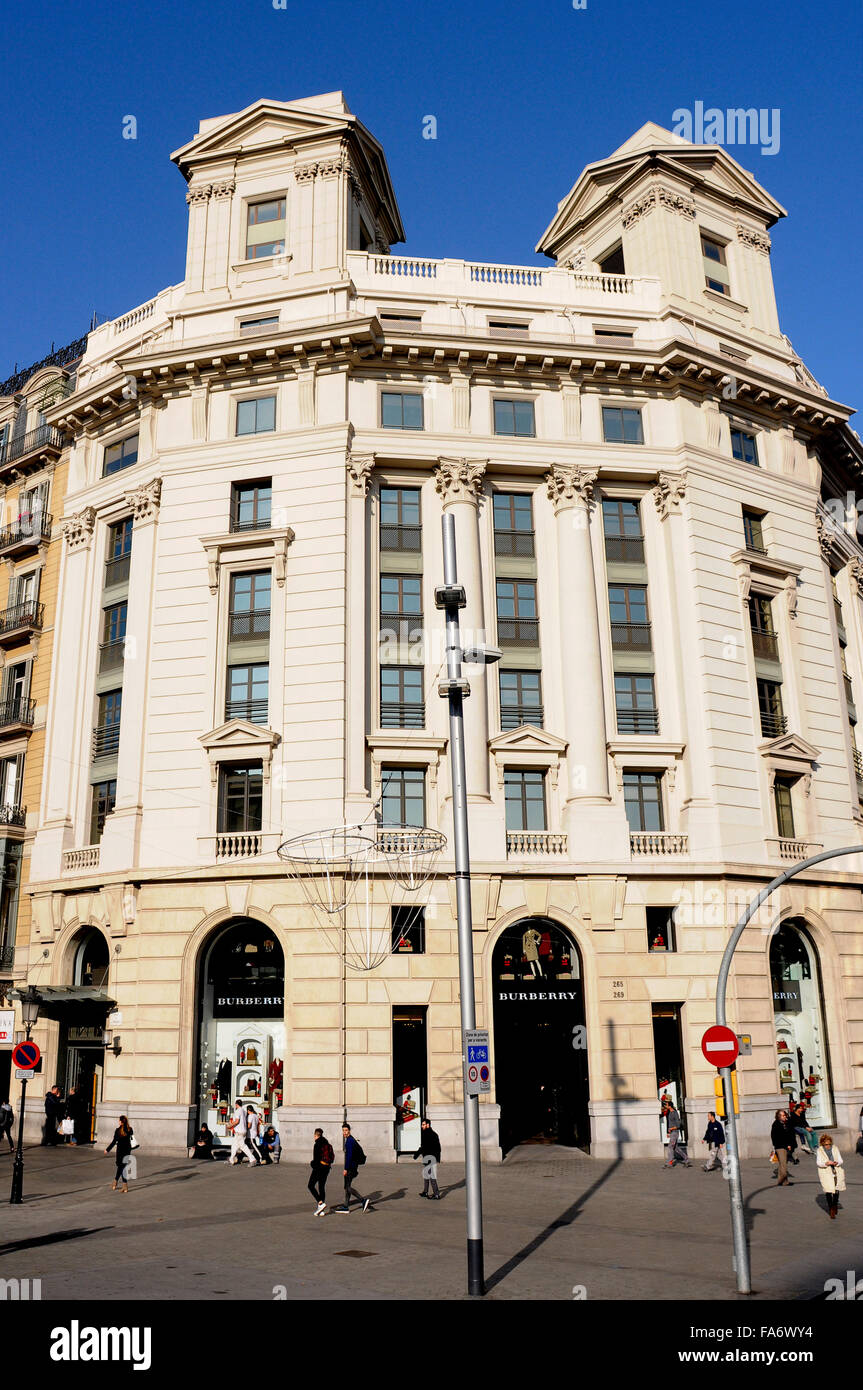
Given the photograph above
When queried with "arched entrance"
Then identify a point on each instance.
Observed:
(241, 1023)
(540, 1040)
(82, 1009)
(798, 1017)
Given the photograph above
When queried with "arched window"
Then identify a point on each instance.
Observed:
(92, 959)
(798, 1016)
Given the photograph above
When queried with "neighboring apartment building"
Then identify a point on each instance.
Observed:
(641, 473)
(33, 482)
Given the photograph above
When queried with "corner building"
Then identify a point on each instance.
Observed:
(649, 492)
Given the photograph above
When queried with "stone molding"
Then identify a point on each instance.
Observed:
(569, 485)
(78, 528)
(460, 480)
(360, 472)
(759, 241)
(144, 501)
(668, 493)
(658, 196)
(205, 191)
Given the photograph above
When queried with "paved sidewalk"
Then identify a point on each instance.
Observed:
(554, 1219)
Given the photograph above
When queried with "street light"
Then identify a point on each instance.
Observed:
(450, 596)
(30, 1002)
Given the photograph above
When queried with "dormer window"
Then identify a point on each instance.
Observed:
(265, 229)
(612, 263)
(715, 264)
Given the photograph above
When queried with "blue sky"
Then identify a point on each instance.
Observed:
(524, 95)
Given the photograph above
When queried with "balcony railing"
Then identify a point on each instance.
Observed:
(630, 637)
(239, 844)
(400, 715)
(250, 626)
(253, 711)
(7, 956)
(43, 437)
(19, 710)
(111, 655)
(75, 860)
(518, 632)
(790, 847)
(258, 523)
(401, 627)
(117, 570)
(22, 617)
(13, 815)
(513, 716)
(657, 842)
(29, 530)
(535, 842)
(519, 543)
(858, 764)
(106, 740)
(624, 550)
(849, 689)
(765, 644)
(772, 725)
(401, 539)
(638, 721)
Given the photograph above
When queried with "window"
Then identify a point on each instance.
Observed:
(401, 605)
(509, 328)
(517, 622)
(265, 229)
(743, 447)
(241, 798)
(106, 735)
(409, 930)
(251, 505)
(401, 410)
(104, 796)
(635, 703)
(113, 637)
(784, 808)
(514, 418)
(660, 929)
(401, 528)
(120, 455)
(249, 616)
(259, 325)
(32, 506)
(613, 335)
(524, 793)
(248, 693)
(621, 524)
(402, 703)
(765, 643)
(11, 774)
(390, 319)
(23, 593)
(256, 416)
(513, 524)
(773, 721)
(642, 795)
(403, 799)
(630, 626)
(715, 265)
(16, 684)
(520, 699)
(119, 552)
(621, 425)
(753, 532)
(612, 263)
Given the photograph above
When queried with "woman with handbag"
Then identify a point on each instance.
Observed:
(123, 1135)
(831, 1172)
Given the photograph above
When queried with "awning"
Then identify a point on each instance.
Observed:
(65, 1002)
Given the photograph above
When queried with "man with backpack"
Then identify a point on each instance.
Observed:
(354, 1159)
(323, 1159)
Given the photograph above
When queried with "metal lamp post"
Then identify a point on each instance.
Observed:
(30, 1001)
(451, 597)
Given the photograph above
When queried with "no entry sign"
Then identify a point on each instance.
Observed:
(26, 1055)
(720, 1046)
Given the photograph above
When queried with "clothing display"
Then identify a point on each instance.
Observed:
(223, 1079)
(274, 1075)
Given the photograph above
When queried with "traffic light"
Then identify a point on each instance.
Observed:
(720, 1102)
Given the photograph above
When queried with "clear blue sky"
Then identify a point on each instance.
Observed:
(524, 94)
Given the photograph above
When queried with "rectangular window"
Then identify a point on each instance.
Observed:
(514, 418)
(119, 552)
(265, 229)
(401, 526)
(241, 798)
(612, 263)
(715, 264)
(660, 929)
(248, 693)
(773, 721)
(635, 703)
(249, 615)
(401, 410)
(509, 328)
(390, 319)
(621, 525)
(104, 796)
(106, 735)
(765, 643)
(120, 455)
(642, 795)
(513, 524)
(402, 702)
(630, 625)
(251, 505)
(403, 796)
(113, 637)
(784, 808)
(256, 416)
(520, 699)
(524, 793)
(743, 447)
(753, 532)
(401, 605)
(621, 425)
(252, 326)
(517, 621)
(613, 335)
(11, 774)
(409, 930)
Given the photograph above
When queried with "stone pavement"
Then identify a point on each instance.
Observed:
(554, 1219)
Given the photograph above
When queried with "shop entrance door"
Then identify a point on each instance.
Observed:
(410, 1063)
(668, 1054)
(84, 1070)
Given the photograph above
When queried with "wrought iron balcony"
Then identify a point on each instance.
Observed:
(117, 570)
(18, 712)
(858, 764)
(106, 740)
(519, 543)
(7, 956)
(111, 655)
(624, 550)
(253, 711)
(765, 644)
(772, 725)
(20, 620)
(28, 532)
(43, 437)
(638, 721)
(249, 626)
(400, 715)
(262, 522)
(630, 637)
(518, 632)
(13, 815)
(513, 716)
(401, 539)
(401, 627)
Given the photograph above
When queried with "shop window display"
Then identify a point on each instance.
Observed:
(798, 1017)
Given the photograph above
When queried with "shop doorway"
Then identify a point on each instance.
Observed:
(85, 1063)
(668, 1056)
(540, 1037)
(802, 1056)
(410, 1075)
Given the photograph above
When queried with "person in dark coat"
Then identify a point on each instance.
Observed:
(78, 1112)
(123, 1140)
(7, 1120)
(714, 1137)
(53, 1115)
(784, 1142)
(430, 1150)
(203, 1145)
(323, 1157)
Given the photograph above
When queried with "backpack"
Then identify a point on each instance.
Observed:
(359, 1156)
(328, 1154)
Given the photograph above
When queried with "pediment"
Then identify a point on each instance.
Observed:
(239, 733)
(790, 746)
(527, 738)
(262, 124)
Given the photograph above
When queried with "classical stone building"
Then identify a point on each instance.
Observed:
(643, 476)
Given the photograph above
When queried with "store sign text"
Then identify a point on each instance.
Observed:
(562, 994)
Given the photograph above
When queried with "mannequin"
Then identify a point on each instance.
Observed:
(223, 1079)
(530, 948)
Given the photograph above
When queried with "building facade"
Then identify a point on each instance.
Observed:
(650, 499)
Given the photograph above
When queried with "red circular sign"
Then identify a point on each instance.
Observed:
(26, 1055)
(483, 1073)
(720, 1046)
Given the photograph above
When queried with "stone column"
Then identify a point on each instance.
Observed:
(357, 679)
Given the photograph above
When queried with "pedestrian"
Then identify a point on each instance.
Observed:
(430, 1150)
(354, 1159)
(714, 1137)
(676, 1147)
(802, 1128)
(203, 1145)
(323, 1159)
(53, 1116)
(253, 1123)
(78, 1111)
(831, 1172)
(270, 1145)
(239, 1127)
(784, 1142)
(123, 1140)
(7, 1120)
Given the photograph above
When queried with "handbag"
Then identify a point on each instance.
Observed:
(134, 1144)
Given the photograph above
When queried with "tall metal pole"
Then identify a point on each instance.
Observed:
(17, 1194)
(456, 688)
(738, 1224)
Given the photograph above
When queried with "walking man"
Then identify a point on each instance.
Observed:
(7, 1120)
(676, 1148)
(784, 1142)
(53, 1116)
(322, 1160)
(354, 1158)
(239, 1127)
(430, 1150)
(714, 1138)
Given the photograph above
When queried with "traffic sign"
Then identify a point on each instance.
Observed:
(720, 1046)
(476, 1056)
(24, 1075)
(26, 1055)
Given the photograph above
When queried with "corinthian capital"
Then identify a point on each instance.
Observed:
(668, 493)
(360, 472)
(460, 480)
(78, 528)
(571, 486)
(144, 501)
